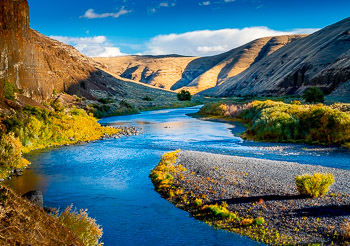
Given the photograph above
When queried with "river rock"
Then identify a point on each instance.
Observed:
(36, 197)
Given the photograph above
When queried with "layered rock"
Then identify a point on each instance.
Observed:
(38, 65)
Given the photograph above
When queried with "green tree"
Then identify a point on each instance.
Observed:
(184, 96)
(313, 95)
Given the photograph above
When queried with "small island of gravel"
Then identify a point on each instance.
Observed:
(260, 197)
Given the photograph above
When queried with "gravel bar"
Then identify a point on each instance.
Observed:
(258, 187)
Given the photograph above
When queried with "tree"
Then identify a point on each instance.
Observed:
(184, 96)
(313, 95)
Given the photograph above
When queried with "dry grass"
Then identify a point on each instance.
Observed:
(22, 223)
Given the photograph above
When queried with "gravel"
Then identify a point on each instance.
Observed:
(257, 187)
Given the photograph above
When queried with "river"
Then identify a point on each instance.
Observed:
(110, 177)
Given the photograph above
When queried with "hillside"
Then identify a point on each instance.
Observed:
(21, 222)
(194, 73)
(320, 59)
(39, 65)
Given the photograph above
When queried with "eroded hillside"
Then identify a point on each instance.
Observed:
(194, 73)
(321, 59)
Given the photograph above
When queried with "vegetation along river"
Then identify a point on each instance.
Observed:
(110, 177)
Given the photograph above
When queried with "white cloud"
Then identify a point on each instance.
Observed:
(90, 14)
(219, 48)
(97, 46)
(208, 42)
(304, 30)
(229, 1)
(161, 5)
(204, 3)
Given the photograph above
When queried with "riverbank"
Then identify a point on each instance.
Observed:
(274, 121)
(255, 191)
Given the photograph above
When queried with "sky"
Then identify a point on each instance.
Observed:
(186, 27)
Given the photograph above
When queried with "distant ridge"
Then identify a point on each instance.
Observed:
(195, 74)
(321, 59)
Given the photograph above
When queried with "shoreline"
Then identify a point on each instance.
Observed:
(254, 189)
(123, 131)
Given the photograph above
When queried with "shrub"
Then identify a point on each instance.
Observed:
(315, 185)
(313, 95)
(125, 104)
(184, 96)
(9, 90)
(106, 100)
(221, 211)
(147, 98)
(10, 151)
(259, 221)
(56, 105)
(83, 226)
(216, 109)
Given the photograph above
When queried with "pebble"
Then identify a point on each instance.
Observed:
(258, 187)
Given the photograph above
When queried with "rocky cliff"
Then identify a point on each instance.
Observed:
(194, 73)
(320, 59)
(38, 64)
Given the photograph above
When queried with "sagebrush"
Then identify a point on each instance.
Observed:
(314, 185)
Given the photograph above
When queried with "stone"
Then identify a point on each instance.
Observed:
(35, 197)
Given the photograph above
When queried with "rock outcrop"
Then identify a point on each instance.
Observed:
(38, 65)
(321, 59)
(194, 73)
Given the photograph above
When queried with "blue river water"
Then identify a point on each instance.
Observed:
(110, 177)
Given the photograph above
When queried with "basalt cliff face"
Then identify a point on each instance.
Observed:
(38, 64)
(194, 73)
(321, 59)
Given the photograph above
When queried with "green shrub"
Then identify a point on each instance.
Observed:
(221, 211)
(56, 105)
(83, 226)
(259, 221)
(184, 96)
(9, 90)
(106, 100)
(315, 185)
(313, 95)
(125, 104)
(147, 98)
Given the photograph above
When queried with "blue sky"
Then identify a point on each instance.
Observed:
(187, 27)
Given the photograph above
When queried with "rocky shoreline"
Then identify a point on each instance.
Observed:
(258, 188)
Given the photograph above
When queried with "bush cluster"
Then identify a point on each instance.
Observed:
(315, 185)
(278, 121)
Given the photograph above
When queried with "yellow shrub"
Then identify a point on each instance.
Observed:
(314, 185)
(82, 225)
